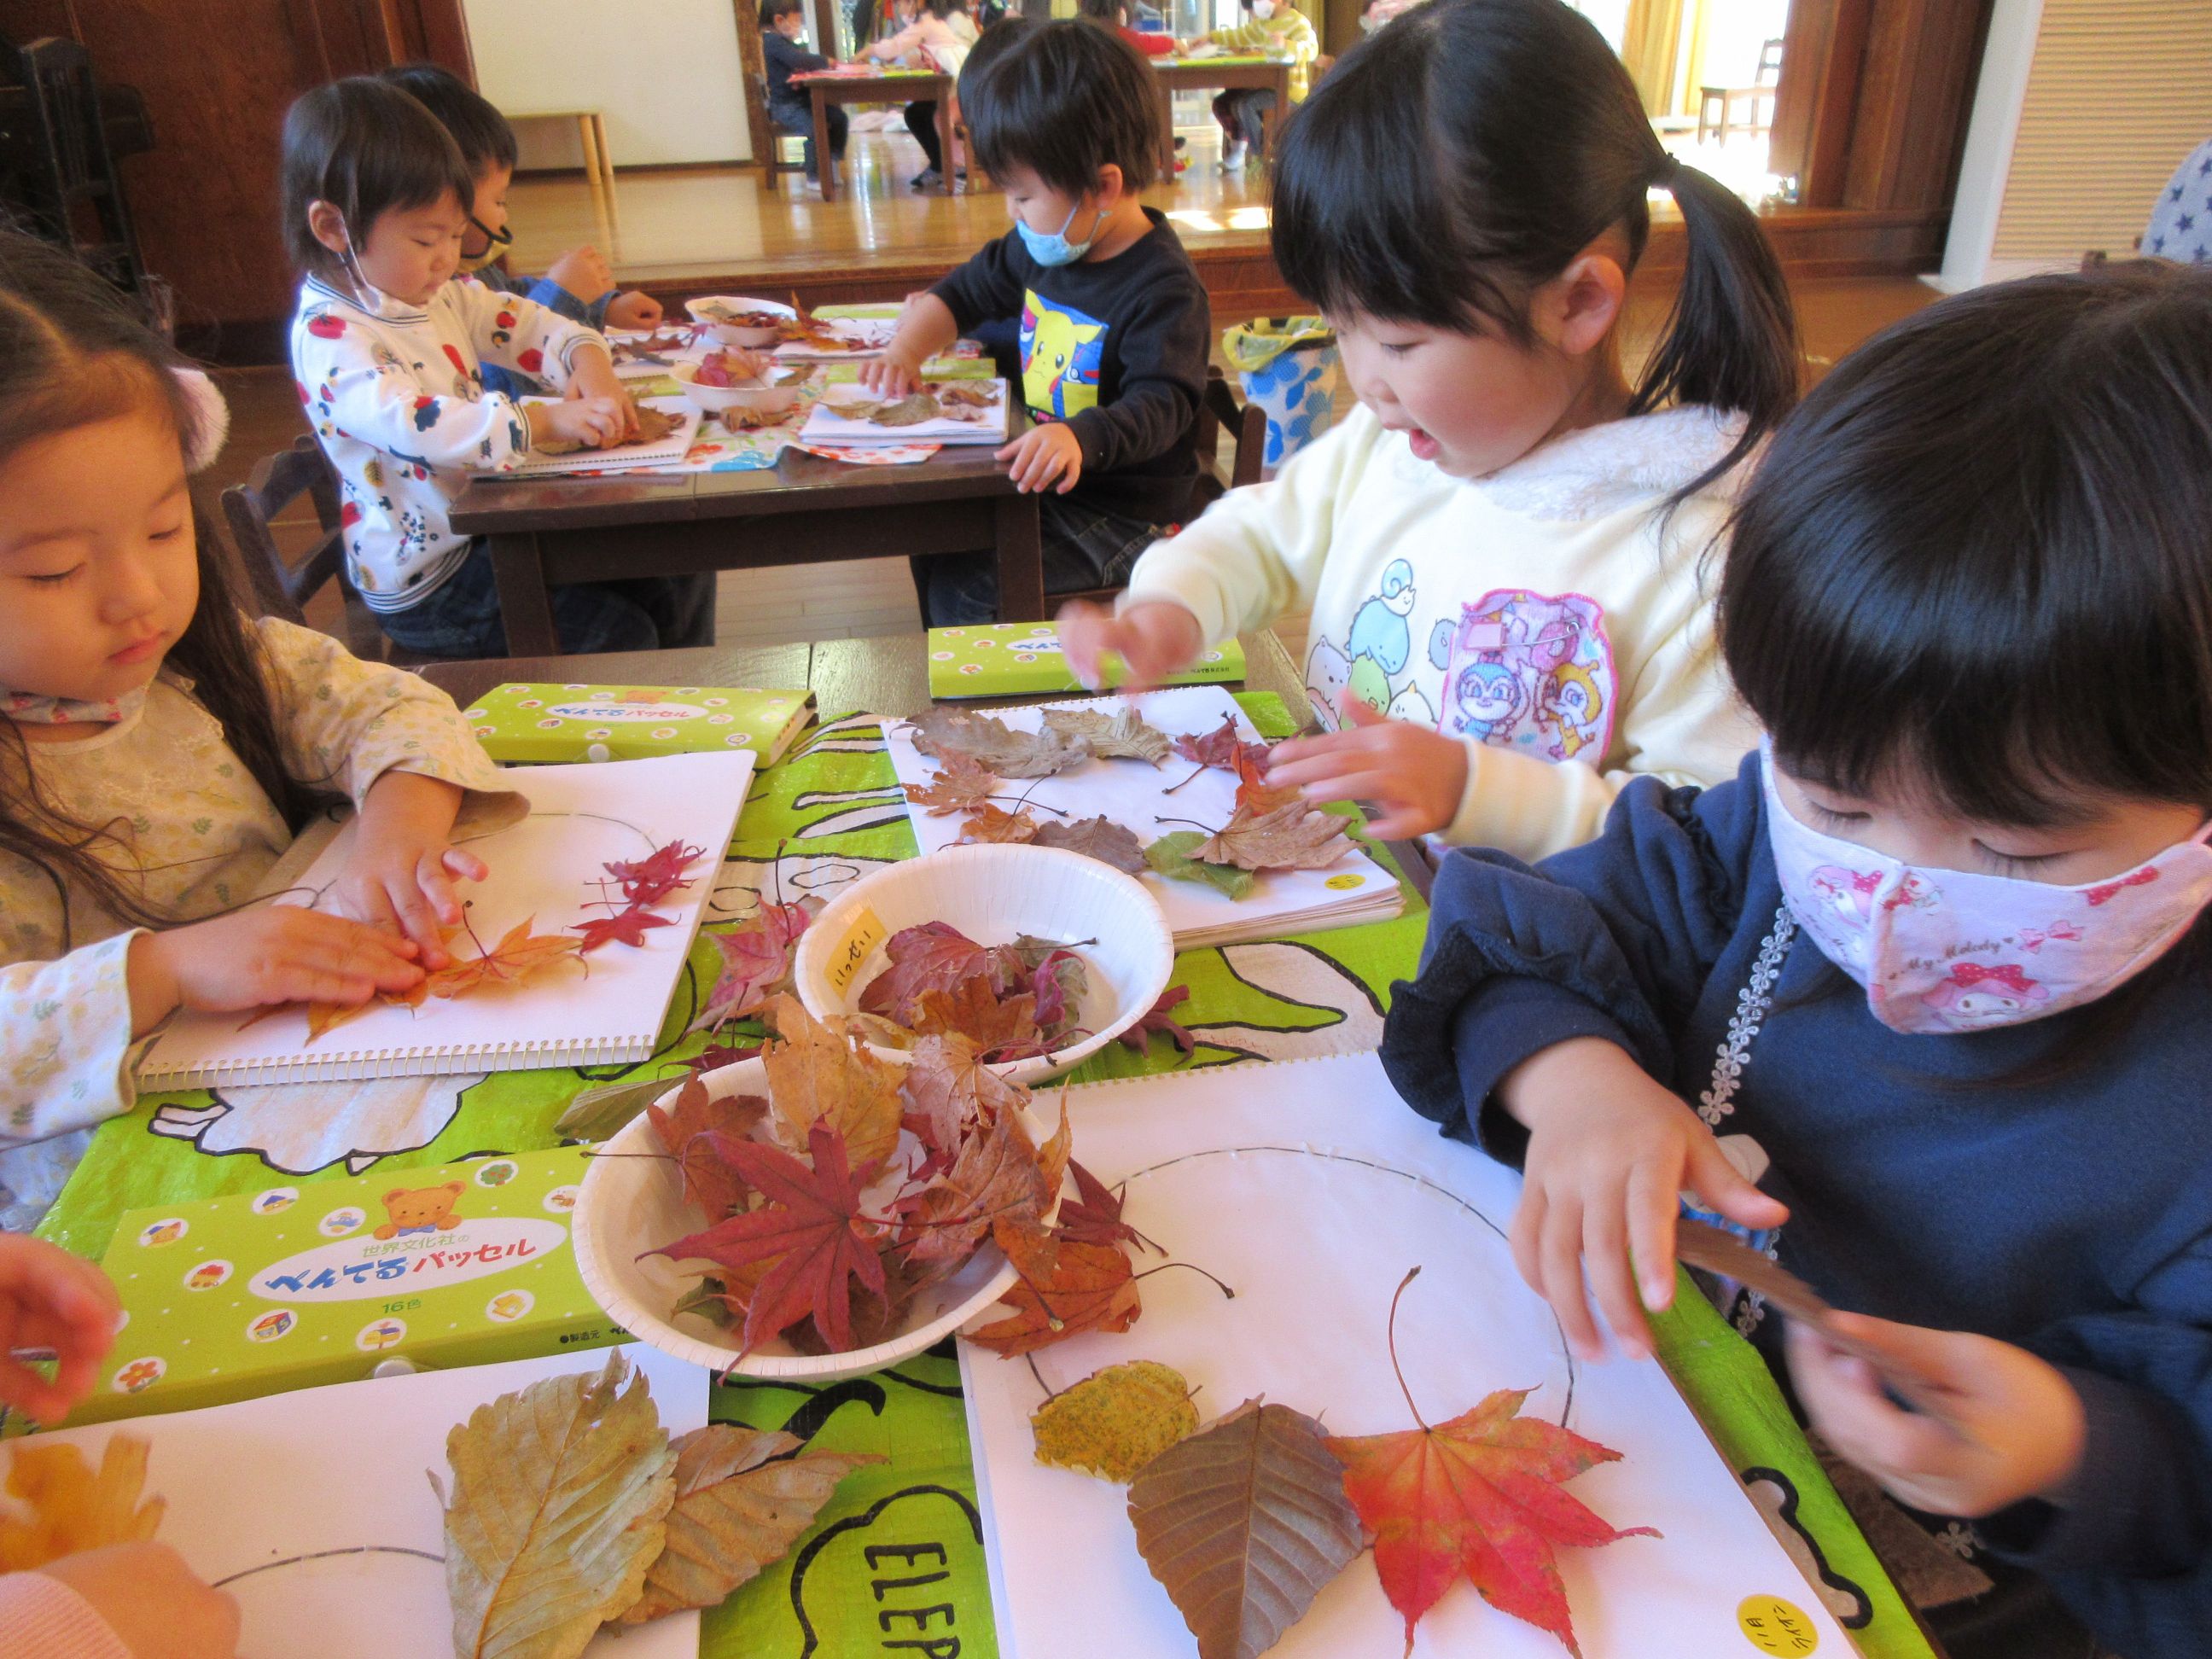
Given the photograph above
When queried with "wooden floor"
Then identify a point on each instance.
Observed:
(866, 598)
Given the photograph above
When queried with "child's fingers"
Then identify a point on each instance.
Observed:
(24, 1389)
(1357, 711)
(1653, 1204)
(1562, 1263)
(1526, 1237)
(1605, 1258)
(464, 865)
(1710, 1175)
(1845, 1398)
(367, 905)
(646, 309)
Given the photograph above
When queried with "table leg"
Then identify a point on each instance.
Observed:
(1167, 133)
(584, 138)
(949, 172)
(1021, 560)
(825, 167)
(607, 173)
(525, 606)
(1273, 123)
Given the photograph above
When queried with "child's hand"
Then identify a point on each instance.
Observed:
(593, 376)
(262, 957)
(583, 272)
(1153, 637)
(152, 1600)
(1609, 1153)
(893, 375)
(52, 1299)
(401, 875)
(635, 309)
(597, 422)
(1415, 776)
(1042, 454)
(2010, 1425)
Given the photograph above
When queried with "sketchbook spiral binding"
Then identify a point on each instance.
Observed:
(422, 1059)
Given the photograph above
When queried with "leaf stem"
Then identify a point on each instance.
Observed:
(1411, 1274)
(1226, 1292)
(1171, 788)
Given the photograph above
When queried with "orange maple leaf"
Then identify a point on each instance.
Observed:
(518, 957)
(1480, 1495)
(1065, 1290)
(69, 1508)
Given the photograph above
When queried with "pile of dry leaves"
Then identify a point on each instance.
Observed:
(1273, 828)
(1011, 1002)
(820, 1234)
(933, 400)
(1247, 1520)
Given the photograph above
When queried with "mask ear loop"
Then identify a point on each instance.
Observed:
(363, 293)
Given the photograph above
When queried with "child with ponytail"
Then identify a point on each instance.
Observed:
(1501, 548)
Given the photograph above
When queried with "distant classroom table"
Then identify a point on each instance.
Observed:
(1198, 73)
(829, 87)
(546, 533)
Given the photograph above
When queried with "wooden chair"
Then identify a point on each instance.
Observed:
(284, 589)
(1764, 79)
(56, 166)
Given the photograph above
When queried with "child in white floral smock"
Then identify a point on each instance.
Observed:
(159, 750)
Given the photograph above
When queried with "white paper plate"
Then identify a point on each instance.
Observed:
(633, 1202)
(992, 893)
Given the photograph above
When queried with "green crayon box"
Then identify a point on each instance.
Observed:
(295, 1286)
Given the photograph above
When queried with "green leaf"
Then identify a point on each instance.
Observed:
(561, 1497)
(597, 1114)
(1171, 856)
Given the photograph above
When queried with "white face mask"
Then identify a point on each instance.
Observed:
(1263, 10)
(1949, 951)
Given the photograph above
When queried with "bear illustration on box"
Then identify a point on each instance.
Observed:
(422, 1209)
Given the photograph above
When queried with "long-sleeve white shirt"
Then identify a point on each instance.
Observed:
(397, 397)
(1551, 616)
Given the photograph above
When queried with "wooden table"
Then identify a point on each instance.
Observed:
(1198, 73)
(825, 88)
(591, 133)
(888, 675)
(545, 532)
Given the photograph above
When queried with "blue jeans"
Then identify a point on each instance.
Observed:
(1084, 548)
(461, 617)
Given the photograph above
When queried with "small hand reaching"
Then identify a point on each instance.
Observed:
(1414, 774)
(1154, 638)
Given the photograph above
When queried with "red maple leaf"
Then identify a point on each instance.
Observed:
(1065, 1290)
(1160, 1018)
(1223, 746)
(1093, 1215)
(623, 927)
(810, 1231)
(1480, 1495)
(932, 956)
(755, 963)
(651, 879)
(694, 1129)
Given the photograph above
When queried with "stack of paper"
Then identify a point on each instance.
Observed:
(963, 419)
(840, 337)
(1354, 889)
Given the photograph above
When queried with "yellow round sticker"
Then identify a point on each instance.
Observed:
(1774, 1625)
(1347, 879)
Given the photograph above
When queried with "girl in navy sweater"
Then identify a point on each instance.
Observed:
(1933, 969)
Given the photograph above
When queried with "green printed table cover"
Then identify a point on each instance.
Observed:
(902, 1539)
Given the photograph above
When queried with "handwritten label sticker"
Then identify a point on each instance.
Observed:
(862, 935)
(1348, 880)
(1774, 1625)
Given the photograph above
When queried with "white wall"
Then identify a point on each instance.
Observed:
(666, 74)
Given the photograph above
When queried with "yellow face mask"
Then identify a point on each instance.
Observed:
(496, 243)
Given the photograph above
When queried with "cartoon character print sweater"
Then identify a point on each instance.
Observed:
(1551, 616)
(396, 395)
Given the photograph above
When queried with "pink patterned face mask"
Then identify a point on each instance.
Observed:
(1950, 950)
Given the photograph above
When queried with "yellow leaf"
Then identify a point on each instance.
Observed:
(815, 1072)
(1116, 1420)
(70, 1507)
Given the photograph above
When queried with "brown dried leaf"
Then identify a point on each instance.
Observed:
(1099, 838)
(1244, 1522)
(993, 824)
(741, 1502)
(649, 425)
(960, 785)
(1065, 1290)
(687, 1130)
(950, 1091)
(818, 1073)
(945, 733)
(1123, 735)
(1293, 836)
(1002, 1030)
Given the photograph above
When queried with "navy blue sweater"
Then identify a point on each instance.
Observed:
(2072, 1217)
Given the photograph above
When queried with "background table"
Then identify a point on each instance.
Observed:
(544, 532)
(1195, 74)
(824, 89)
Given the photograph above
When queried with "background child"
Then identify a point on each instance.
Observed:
(1113, 315)
(578, 286)
(158, 751)
(783, 24)
(115, 1603)
(1277, 27)
(386, 349)
(937, 37)
(1115, 14)
(1501, 546)
(1966, 574)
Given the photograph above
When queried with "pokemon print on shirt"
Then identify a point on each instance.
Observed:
(1061, 351)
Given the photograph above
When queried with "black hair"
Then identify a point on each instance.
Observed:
(1063, 99)
(367, 149)
(1107, 12)
(72, 353)
(485, 139)
(1976, 564)
(1444, 169)
(773, 12)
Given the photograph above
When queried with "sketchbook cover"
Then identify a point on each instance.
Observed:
(1309, 1188)
(1012, 659)
(547, 870)
(521, 722)
(296, 1285)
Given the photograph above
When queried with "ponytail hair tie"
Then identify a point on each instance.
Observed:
(1668, 172)
(209, 419)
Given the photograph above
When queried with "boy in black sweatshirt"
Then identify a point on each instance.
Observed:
(782, 22)
(1114, 317)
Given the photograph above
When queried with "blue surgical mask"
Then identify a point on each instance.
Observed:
(1054, 248)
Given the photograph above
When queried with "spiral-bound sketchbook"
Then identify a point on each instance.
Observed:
(547, 870)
